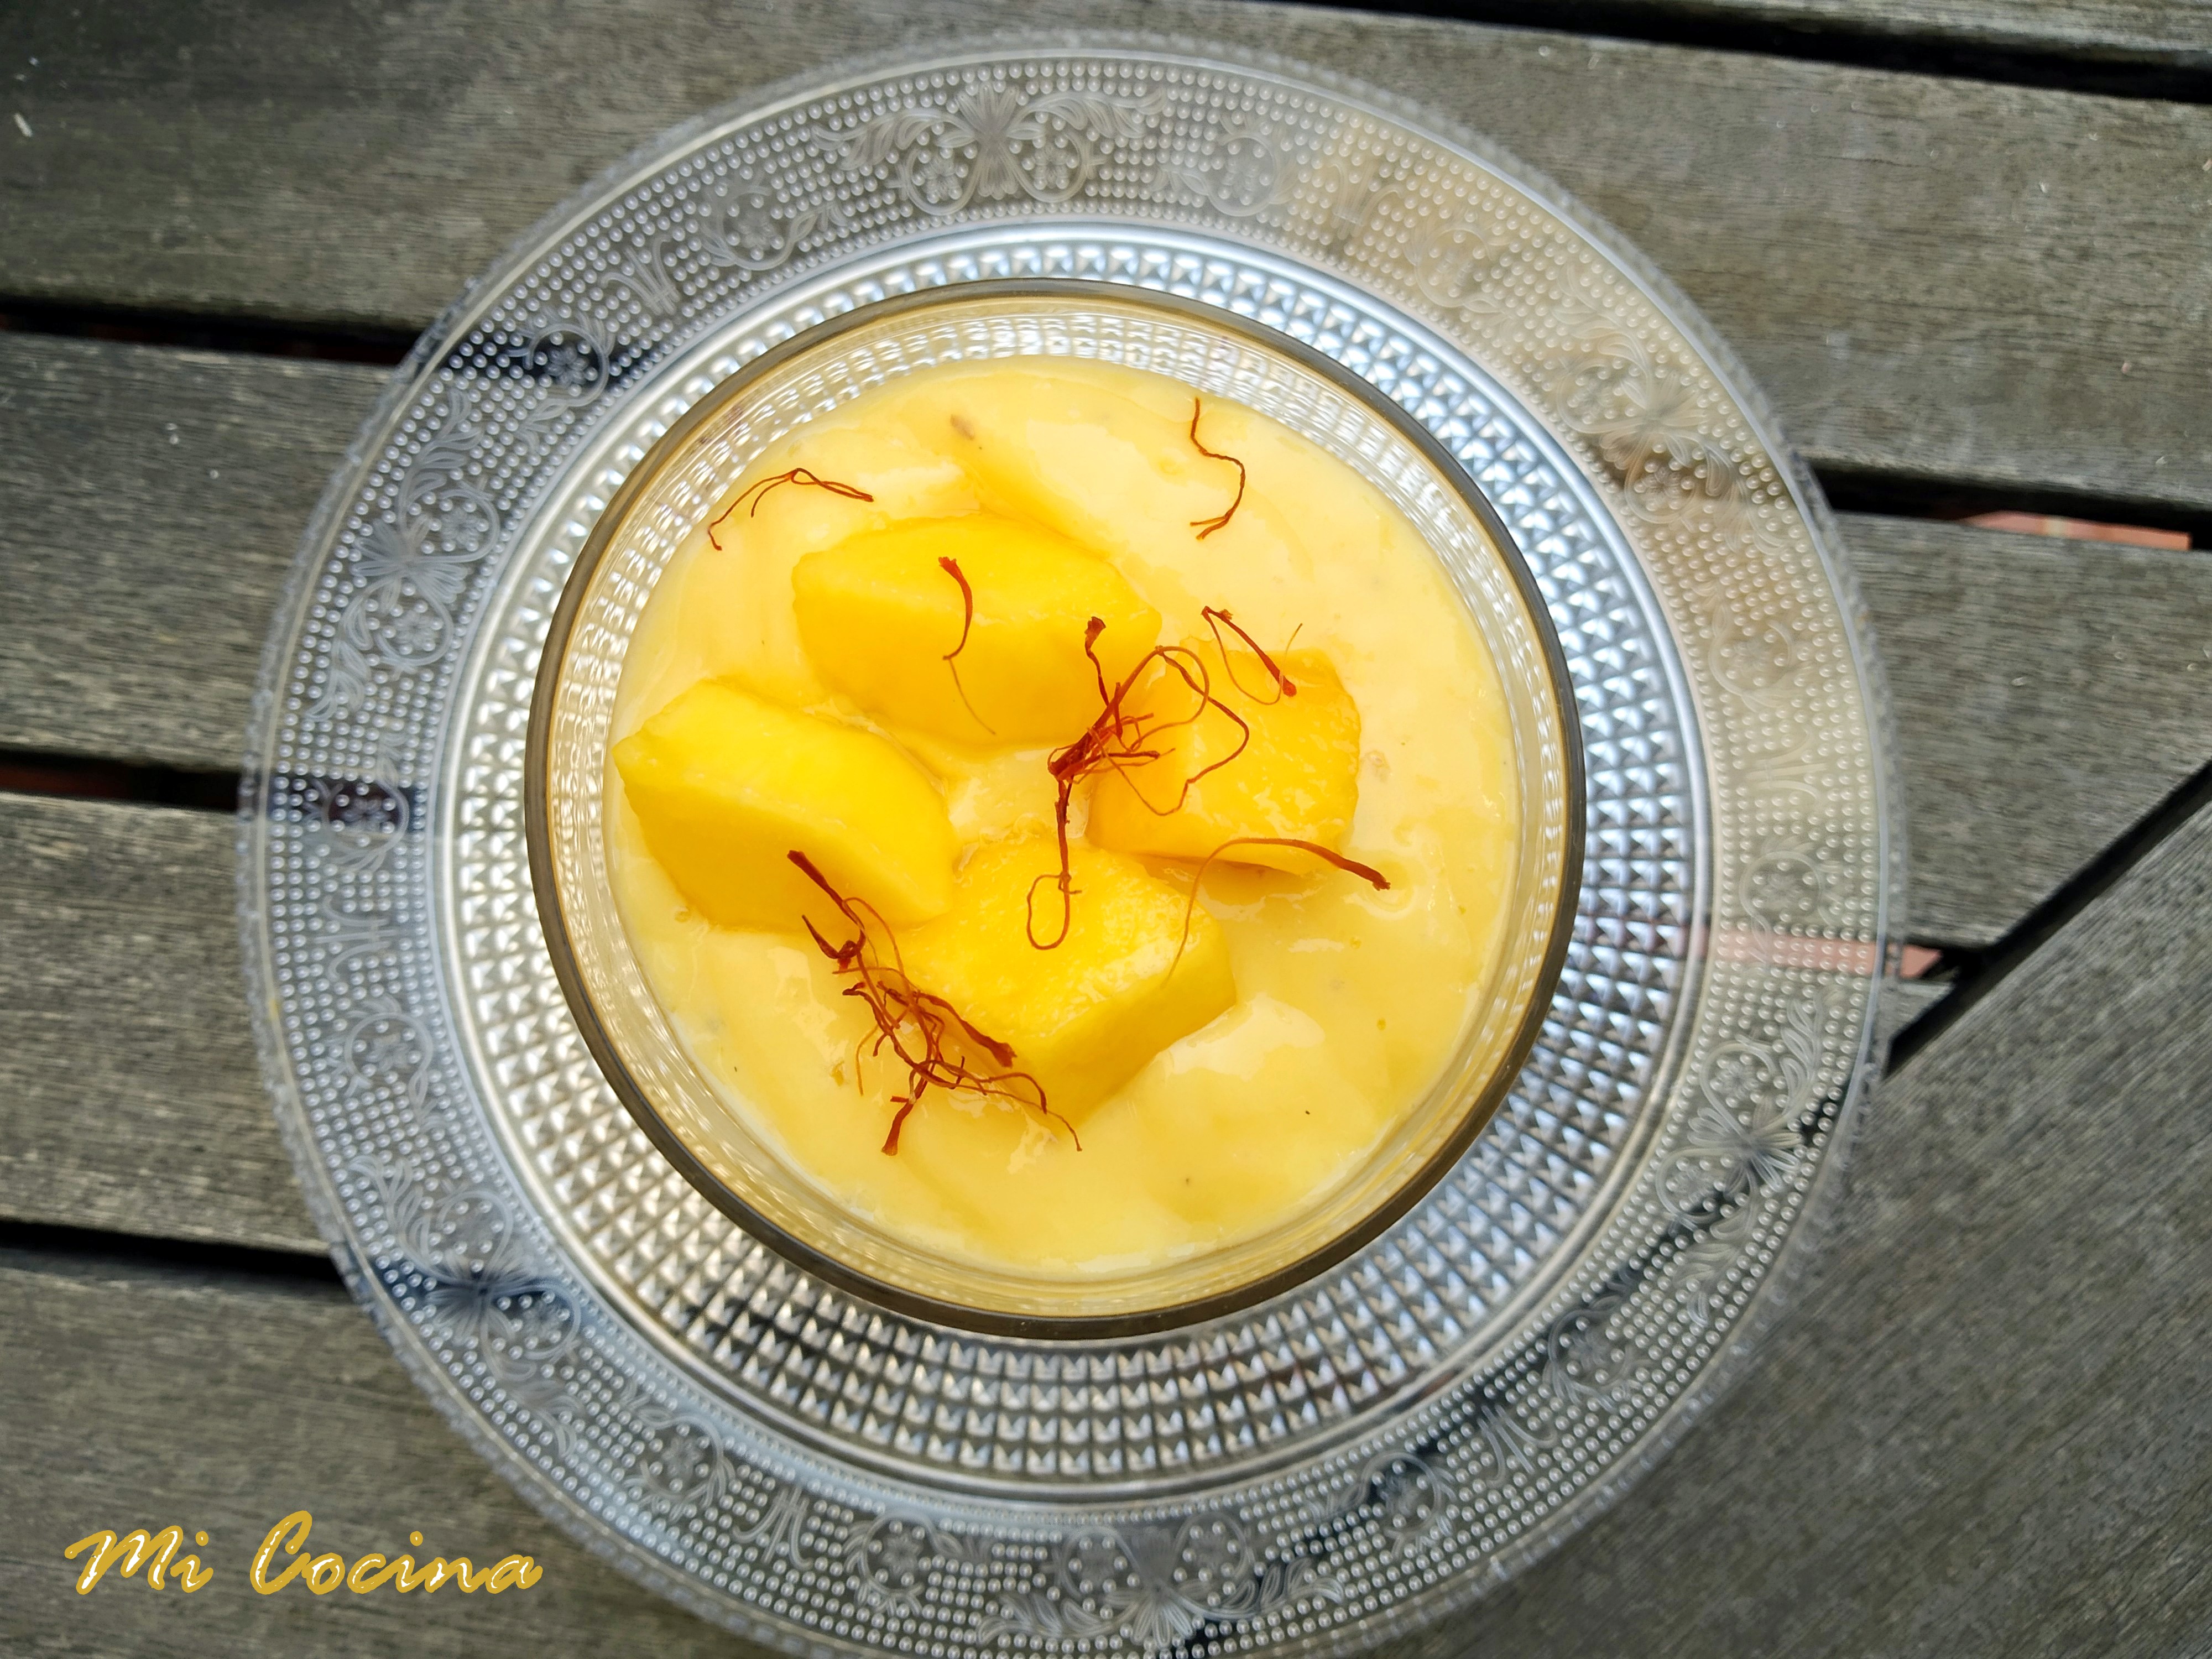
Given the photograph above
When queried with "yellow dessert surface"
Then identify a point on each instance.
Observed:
(1308, 1014)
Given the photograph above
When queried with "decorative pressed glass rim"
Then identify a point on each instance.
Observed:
(549, 876)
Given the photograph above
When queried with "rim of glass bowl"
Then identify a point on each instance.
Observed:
(1482, 1102)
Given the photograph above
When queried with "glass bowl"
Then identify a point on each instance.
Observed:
(666, 496)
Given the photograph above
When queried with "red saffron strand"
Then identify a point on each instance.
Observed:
(951, 567)
(923, 1031)
(1120, 741)
(898, 1121)
(1207, 527)
(1284, 686)
(1366, 872)
(759, 488)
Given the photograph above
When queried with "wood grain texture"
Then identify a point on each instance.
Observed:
(1980, 1434)
(1948, 279)
(223, 1403)
(130, 1098)
(2170, 33)
(153, 507)
(2048, 695)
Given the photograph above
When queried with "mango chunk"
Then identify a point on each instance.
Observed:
(726, 784)
(1084, 1016)
(1298, 777)
(879, 614)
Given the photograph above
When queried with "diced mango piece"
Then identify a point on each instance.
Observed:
(727, 784)
(1084, 1016)
(879, 614)
(1298, 777)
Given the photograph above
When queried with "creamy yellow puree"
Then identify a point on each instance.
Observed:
(1350, 1001)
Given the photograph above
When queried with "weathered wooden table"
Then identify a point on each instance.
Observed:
(1984, 1428)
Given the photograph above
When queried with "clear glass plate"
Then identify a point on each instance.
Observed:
(1358, 1453)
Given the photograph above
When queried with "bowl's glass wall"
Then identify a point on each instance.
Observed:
(674, 493)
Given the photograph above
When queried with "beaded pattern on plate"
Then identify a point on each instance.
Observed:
(1417, 1511)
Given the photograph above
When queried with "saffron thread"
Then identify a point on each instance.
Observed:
(1207, 527)
(1366, 872)
(923, 1030)
(758, 491)
(951, 567)
(1284, 687)
(1119, 741)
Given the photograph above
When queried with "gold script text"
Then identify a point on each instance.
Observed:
(322, 1574)
(102, 1550)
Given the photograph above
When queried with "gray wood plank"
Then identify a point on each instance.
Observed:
(2170, 33)
(2049, 694)
(1942, 278)
(130, 1098)
(153, 509)
(1979, 1434)
(1982, 1431)
(142, 1397)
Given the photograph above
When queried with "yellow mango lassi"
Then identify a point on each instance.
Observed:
(1009, 624)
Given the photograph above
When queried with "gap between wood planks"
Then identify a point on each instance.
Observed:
(28, 772)
(202, 1257)
(1899, 495)
(1975, 973)
(189, 330)
(2122, 71)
